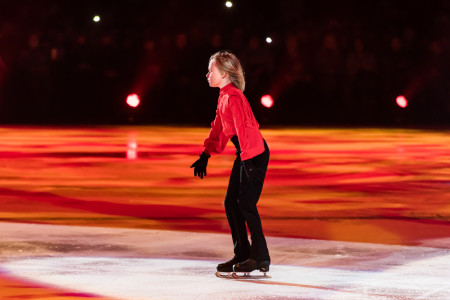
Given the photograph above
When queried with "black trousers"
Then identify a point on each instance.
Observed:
(240, 207)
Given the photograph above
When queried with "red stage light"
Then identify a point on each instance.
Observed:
(267, 101)
(401, 101)
(133, 100)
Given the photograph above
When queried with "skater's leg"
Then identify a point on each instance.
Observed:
(234, 215)
(248, 198)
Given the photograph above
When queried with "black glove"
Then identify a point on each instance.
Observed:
(254, 175)
(200, 165)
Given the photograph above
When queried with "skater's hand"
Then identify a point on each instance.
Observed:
(254, 175)
(200, 165)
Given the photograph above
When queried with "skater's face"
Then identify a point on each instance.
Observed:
(215, 77)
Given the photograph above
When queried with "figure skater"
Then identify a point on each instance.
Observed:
(235, 120)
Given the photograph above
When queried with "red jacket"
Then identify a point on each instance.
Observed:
(234, 116)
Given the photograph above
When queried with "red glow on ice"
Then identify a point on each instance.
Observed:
(133, 100)
(132, 150)
(267, 101)
(401, 101)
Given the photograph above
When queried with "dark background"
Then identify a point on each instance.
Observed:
(330, 63)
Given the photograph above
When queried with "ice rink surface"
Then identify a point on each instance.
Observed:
(115, 213)
(159, 264)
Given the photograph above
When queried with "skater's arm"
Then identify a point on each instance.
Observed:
(213, 144)
(216, 140)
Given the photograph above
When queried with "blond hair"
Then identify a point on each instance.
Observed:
(228, 63)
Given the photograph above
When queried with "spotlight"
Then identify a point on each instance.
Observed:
(133, 100)
(267, 101)
(96, 18)
(268, 40)
(401, 101)
(228, 4)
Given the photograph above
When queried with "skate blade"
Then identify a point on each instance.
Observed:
(241, 275)
(248, 275)
(224, 274)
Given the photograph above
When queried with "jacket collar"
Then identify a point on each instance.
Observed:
(226, 88)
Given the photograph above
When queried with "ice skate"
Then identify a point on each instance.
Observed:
(243, 270)
(225, 269)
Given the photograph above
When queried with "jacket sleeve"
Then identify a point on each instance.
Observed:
(216, 140)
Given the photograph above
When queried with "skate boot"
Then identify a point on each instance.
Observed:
(250, 265)
(228, 266)
(224, 270)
